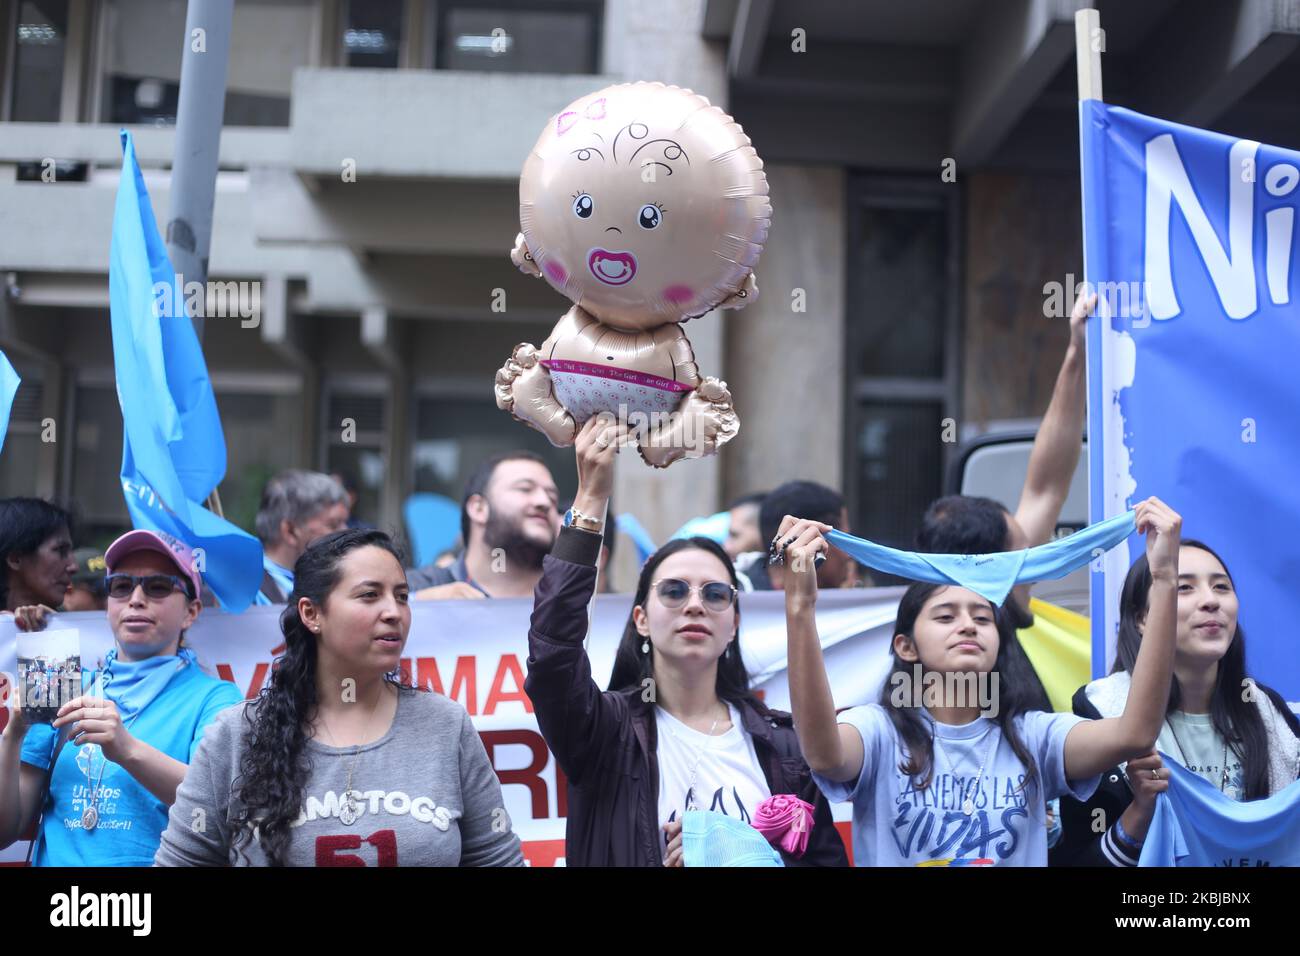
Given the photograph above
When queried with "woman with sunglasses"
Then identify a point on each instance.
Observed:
(103, 775)
(678, 730)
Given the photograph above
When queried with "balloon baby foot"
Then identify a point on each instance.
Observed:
(703, 422)
(523, 388)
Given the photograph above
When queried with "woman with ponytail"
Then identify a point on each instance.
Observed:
(337, 762)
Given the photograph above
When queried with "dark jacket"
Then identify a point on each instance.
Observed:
(433, 576)
(605, 741)
(1081, 844)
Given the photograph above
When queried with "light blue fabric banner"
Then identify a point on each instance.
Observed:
(1196, 825)
(992, 575)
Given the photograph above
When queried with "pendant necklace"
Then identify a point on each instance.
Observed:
(968, 799)
(348, 812)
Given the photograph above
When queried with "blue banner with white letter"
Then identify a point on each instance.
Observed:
(173, 448)
(1194, 393)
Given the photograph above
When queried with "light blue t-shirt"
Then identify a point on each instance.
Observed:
(1196, 825)
(896, 824)
(131, 819)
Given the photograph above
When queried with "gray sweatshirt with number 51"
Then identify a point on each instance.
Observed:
(425, 795)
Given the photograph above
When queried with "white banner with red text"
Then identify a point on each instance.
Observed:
(476, 652)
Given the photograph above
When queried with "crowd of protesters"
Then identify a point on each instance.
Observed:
(153, 743)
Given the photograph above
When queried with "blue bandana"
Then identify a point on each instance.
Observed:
(132, 685)
(992, 575)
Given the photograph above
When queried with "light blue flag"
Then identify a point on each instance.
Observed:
(1190, 239)
(9, 382)
(992, 575)
(173, 449)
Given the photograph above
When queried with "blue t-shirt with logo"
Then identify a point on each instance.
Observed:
(897, 824)
(1196, 825)
(131, 819)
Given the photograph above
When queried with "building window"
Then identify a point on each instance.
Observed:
(96, 464)
(256, 424)
(39, 46)
(372, 33)
(454, 434)
(356, 446)
(146, 40)
(519, 37)
(902, 351)
(259, 426)
(23, 440)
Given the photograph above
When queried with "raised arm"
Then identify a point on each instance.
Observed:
(1059, 441)
(96, 720)
(575, 717)
(1094, 746)
(831, 749)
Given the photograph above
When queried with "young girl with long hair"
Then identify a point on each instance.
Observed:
(1220, 723)
(957, 772)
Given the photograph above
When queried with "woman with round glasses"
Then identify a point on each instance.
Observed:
(103, 775)
(678, 730)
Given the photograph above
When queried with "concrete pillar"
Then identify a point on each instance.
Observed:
(786, 367)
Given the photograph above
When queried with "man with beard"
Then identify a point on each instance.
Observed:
(508, 521)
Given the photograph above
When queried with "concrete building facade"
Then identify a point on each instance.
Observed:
(922, 160)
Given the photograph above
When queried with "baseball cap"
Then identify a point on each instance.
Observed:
(175, 549)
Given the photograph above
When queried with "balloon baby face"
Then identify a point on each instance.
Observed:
(644, 205)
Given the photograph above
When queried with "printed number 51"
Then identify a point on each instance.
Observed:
(328, 847)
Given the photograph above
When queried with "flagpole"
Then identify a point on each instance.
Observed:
(201, 102)
(1089, 42)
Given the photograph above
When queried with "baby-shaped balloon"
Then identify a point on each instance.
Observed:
(645, 206)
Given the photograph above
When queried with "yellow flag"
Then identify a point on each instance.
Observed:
(1059, 645)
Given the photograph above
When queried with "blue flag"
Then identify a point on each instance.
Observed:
(1189, 238)
(1196, 825)
(9, 382)
(173, 449)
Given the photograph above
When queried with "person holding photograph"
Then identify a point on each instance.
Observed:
(101, 776)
